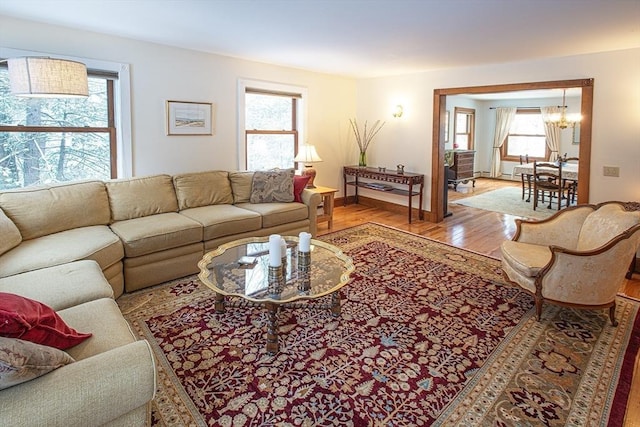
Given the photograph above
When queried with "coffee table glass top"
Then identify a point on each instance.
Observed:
(241, 268)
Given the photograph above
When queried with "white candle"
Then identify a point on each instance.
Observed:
(274, 250)
(305, 242)
(283, 247)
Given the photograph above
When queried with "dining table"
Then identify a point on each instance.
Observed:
(569, 171)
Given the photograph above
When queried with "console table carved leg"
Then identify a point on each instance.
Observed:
(272, 328)
(219, 303)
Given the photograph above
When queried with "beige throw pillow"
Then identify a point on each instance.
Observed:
(241, 186)
(21, 361)
(11, 236)
(272, 186)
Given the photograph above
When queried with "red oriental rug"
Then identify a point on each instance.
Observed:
(429, 335)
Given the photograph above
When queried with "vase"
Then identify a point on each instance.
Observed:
(362, 161)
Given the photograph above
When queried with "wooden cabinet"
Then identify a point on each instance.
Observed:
(462, 168)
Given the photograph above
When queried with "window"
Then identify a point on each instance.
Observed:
(526, 136)
(49, 140)
(271, 129)
(464, 124)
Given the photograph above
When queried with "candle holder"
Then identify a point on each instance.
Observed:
(276, 281)
(304, 261)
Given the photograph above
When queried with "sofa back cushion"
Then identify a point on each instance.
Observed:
(603, 224)
(203, 189)
(241, 185)
(138, 197)
(40, 211)
(11, 236)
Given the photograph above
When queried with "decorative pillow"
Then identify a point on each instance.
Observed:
(11, 236)
(272, 186)
(299, 184)
(241, 186)
(33, 321)
(22, 361)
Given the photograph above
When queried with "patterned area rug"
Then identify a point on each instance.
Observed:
(429, 335)
(507, 201)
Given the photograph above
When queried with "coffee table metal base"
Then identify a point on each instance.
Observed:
(273, 346)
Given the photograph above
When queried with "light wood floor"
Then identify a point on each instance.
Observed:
(476, 230)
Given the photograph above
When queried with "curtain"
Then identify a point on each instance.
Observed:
(504, 118)
(551, 132)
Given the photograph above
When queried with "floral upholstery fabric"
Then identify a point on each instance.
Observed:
(272, 186)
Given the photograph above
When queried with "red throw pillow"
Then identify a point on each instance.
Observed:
(299, 184)
(33, 321)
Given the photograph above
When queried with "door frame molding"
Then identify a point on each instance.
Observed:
(436, 213)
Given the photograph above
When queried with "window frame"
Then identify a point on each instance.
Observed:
(121, 99)
(259, 86)
(471, 125)
(504, 149)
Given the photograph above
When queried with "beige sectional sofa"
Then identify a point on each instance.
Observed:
(78, 246)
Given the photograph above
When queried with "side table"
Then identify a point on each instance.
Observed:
(328, 195)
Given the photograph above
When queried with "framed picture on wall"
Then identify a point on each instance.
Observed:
(190, 118)
(575, 140)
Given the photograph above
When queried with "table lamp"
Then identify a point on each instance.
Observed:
(308, 155)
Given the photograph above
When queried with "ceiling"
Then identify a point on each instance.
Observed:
(358, 38)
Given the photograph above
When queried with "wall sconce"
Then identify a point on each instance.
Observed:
(47, 77)
(397, 113)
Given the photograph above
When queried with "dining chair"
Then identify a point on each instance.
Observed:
(570, 185)
(524, 159)
(546, 179)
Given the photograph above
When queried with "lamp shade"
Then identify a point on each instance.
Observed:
(307, 154)
(47, 77)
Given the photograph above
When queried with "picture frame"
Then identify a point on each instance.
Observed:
(190, 118)
(446, 126)
(575, 137)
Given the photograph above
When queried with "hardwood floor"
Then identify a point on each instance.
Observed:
(476, 230)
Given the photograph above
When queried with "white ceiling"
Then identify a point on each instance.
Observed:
(359, 38)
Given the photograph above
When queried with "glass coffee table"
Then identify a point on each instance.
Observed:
(241, 269)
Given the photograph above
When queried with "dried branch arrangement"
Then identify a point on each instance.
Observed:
(364, 139)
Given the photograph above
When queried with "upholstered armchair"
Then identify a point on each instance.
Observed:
(578, 257)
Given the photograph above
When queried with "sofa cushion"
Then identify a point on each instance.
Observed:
(139, 197)
(11, 236)
(278, 213)
(299, 184)
(61, 286)
(34, 321)
(603, 224)
(526, 258)
(224, 220)
(202, 189)
(154, 233)
(104, 320)
(96, 243)
(241, 185)
(272, 186)
(74, 205)
(21, 361)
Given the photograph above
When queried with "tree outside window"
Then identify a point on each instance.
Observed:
(51, 140)
(271, 133)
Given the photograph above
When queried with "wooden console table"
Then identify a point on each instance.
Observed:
(410, 179)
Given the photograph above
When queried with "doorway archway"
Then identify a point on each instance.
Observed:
(436, 213)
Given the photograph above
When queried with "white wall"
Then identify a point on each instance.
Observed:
(616, 112)
(159, 73)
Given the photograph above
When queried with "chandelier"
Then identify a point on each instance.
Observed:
(563, 120)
